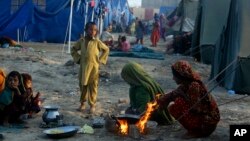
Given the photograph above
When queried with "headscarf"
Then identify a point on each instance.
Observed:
(2, 80)
(134, 74)
(183, 71)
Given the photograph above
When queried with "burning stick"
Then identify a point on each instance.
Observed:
(123, 127)
(141, 124)
(151, 106)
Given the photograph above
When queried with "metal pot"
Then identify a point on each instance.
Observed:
(51, 114)
(132, 119)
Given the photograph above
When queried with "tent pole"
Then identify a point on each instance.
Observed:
(86, 14)
(92, 15)
(70, 24)
(101, 25)
(18, 35)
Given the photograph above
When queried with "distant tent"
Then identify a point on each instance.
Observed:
(185, 13)
(166, 10)
(222, 37)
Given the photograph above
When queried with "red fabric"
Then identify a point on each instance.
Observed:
(92, 3)
(125, 46)
(108, 43)
(155, 36)
(193, 106)
(185, 70)
(194, 118)
(188, 121)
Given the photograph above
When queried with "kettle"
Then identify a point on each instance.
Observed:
(51, 114)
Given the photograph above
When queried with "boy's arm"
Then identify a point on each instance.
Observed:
(74, 52)
(105, 52)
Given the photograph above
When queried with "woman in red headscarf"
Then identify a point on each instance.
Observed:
(190, 103)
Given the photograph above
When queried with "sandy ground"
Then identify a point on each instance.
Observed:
(58, 84)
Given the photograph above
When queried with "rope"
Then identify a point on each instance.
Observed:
(233, 100)
(206, 94)
(223, 70)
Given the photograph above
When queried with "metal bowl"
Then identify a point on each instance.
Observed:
(51, 107)
(61, 132)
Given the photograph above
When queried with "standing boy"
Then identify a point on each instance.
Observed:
(93, 52)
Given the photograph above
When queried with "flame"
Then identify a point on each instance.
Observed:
(123, 127)
(151, 106)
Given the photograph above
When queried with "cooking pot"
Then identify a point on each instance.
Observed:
(51, 114)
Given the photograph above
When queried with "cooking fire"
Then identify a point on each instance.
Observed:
(123, 124)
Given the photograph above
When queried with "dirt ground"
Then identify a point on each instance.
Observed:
(57, 81)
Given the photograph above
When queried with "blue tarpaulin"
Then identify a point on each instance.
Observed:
(51, 23)
(166, 10)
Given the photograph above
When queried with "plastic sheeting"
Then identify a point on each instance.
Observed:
(223, 26)
(51, 24)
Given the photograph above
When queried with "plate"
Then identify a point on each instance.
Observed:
(61, 132)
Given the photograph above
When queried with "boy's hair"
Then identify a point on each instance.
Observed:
(88, 24)
(26, 77)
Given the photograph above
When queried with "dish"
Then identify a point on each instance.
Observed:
(61, 132)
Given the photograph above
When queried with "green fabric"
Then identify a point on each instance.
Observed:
(143, 89)
(139, 97)
(6, 97)
(135, 75)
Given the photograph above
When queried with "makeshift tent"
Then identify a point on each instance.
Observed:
(51, 24)
(222, 36)
(183, 17)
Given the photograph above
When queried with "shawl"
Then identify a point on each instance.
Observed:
(134, 75)
(2, 80)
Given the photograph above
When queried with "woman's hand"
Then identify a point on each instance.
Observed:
(170, 104)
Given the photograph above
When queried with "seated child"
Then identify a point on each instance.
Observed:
(12, 99)
(32, 104)
(125, 44)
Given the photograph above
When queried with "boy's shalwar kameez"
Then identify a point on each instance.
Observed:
(89, 60)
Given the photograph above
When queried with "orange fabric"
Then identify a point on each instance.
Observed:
(155, 36)
(2, 80)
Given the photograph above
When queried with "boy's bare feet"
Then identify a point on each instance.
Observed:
(92, 110)
(82, 107)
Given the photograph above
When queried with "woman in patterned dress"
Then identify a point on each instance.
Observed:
(190, 103)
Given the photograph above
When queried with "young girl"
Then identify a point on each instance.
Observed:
(32, 104)
(12, 99)
(155, 35)
(125, 44)
(93, 52)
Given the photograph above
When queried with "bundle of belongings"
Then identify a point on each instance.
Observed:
(139, 51)
(6, 42)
